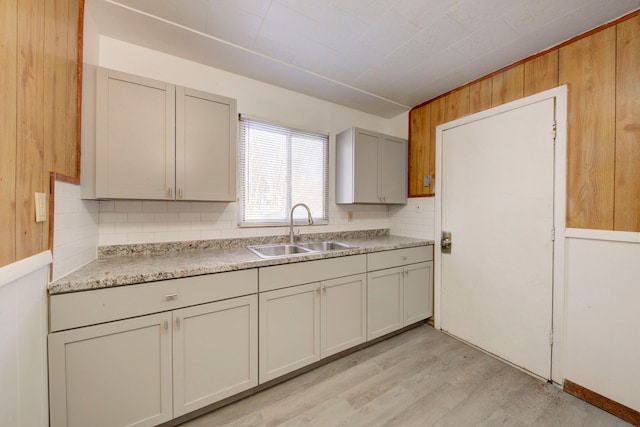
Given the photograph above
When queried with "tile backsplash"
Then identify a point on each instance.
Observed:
(137, 221)
(75, 225)
(80, 226)
(415, 219)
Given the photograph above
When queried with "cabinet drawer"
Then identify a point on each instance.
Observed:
(397, 257)
(77, 309)
(282, 276)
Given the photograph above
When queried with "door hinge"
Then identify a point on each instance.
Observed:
(554, 130)
(551, 337)
(553, 234)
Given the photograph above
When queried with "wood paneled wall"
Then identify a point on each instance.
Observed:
(38, 114)
(602, 71)
(587, 67)
(627, 138)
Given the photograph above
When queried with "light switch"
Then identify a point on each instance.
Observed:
(41, 207)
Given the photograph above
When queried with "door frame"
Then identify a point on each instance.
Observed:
(559, 214)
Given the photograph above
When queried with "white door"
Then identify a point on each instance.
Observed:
(497, 200)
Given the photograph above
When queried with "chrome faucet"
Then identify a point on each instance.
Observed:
(291, 219)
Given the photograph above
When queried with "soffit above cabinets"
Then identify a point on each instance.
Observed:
(377, 56)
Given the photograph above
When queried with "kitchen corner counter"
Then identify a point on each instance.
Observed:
(124, 267)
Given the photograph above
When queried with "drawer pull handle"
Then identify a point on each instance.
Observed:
(177, 322)
(404, 258)
(170, 297)
(166, 325)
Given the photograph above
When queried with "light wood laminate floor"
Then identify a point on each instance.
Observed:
(419, 378)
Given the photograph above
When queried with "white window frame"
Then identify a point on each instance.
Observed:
(243, 185)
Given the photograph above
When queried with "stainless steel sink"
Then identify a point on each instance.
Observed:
(278, 250)
(324, 246)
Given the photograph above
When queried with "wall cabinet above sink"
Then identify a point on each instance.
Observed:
(370, 168)
(147, 139)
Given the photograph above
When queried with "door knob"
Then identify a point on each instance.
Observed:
(445, 242)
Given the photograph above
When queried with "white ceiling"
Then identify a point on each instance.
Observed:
(377, 56)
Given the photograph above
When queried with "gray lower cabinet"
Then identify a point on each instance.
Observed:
(146, 370)
(343, 313)
(400, 289)
(145, 354)
(289, 330)
(417, 292)
(302, 322)
(114, 374)
(384, 302)
(214, 352)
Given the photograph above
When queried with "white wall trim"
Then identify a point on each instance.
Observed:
(12, 272)
(608, 235)
(601, 321)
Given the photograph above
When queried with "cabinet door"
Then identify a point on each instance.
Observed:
(393, 170)
(215, 349)
(115, 374)
(384, 301)
(205, 146)
(418, 292)
(135, 137)
(344, 313)
(366, 167)
(289, 330)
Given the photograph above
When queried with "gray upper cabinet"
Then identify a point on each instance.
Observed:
(147, 139)
(370, 168)
(205, 146)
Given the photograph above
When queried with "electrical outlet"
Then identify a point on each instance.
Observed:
(41, 207)
(349, 216)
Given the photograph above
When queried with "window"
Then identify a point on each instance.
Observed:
(280, 167)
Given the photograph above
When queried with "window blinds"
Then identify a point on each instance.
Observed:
(279, 167)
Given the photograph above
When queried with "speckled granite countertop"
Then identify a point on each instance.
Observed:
(131, 264)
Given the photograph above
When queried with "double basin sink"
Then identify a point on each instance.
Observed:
(278, 250)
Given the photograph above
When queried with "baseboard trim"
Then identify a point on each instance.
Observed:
(602, 402)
